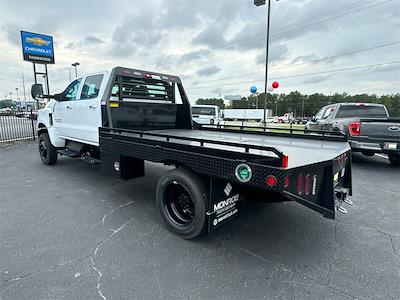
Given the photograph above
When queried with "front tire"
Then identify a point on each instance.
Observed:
(182, 199)
(394, 159)
(48, 153)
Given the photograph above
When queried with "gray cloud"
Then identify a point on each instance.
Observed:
(304, 58)
(92, 40)
(317, 79)
(135, 31)
(207, 71)
(12, 32)
(189, 38)
(276, 53)
(194, 55)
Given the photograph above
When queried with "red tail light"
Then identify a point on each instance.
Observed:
(285, 161)
(286, 183)
(211, 121)
(300, 184)
(271, 180)
(355, 128)
(307, 185)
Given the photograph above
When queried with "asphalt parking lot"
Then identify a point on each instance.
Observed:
(67, 232)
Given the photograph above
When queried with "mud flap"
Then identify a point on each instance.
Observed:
(225, 203)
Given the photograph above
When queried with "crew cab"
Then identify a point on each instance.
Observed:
(124, 117)
(368, 127)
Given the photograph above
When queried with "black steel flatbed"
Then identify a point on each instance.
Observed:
(300, 151)
(215, 167)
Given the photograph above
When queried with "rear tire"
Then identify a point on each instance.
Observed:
(394, 159)
(368, 153)
(182, 199)
(48, 153)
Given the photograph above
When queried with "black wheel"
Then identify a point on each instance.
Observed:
(47, 152)
(394, 159)
(182, 199)
(368, 153)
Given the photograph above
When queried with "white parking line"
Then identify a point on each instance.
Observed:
(381, 155)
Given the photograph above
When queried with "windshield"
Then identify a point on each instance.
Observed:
(209, 111)
(362, 111)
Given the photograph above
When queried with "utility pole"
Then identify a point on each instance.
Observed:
(76, 71)
(260, 3)
(23, 85)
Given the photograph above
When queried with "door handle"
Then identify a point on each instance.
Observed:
(69, 107)
(92, 106)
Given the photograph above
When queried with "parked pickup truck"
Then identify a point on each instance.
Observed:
(368, 127)
(124, 117)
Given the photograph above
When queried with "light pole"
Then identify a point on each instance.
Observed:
(16, 89)
(75, 65)
(260, 3)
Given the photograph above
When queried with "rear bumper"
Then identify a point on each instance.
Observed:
(374, 147)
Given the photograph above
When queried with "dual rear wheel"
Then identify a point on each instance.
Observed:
(182, 199)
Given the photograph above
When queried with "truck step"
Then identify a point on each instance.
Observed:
(69, 153)
(341, 209)
(348, 201)
(90, 160)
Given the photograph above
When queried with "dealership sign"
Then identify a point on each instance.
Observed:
(37, 48)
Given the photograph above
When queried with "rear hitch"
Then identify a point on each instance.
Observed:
(341, 197)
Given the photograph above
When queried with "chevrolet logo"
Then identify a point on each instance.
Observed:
(37, 41)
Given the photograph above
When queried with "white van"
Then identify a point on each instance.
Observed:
(207, 114)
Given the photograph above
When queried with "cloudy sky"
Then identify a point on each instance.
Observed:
(217, 47)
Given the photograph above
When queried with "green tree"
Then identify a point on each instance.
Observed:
(212, 101)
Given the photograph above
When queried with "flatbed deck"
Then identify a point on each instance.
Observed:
(301, 151)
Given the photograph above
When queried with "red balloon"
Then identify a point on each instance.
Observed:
(275, 84)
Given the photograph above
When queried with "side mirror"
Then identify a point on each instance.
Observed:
(314, 119)
(59, 97)
(222, 115)
(37, 91)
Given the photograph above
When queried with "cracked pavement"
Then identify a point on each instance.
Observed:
(67, 232)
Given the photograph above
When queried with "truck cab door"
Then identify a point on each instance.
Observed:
(87, 109)
(63, 114)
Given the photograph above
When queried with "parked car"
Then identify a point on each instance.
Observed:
(299, 120)
(368, 127)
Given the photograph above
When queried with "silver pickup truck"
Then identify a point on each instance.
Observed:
(368, 127)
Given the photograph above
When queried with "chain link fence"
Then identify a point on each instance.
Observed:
(17, 127)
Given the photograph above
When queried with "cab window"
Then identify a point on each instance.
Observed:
(319, 114)
(329, 111)
(91, 87)
(72, 90)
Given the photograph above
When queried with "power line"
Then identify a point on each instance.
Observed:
(321, 21)
(330, 12)
(229, 45)
(303, 75)
(308, 62)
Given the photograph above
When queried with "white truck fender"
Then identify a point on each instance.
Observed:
(44, 123)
